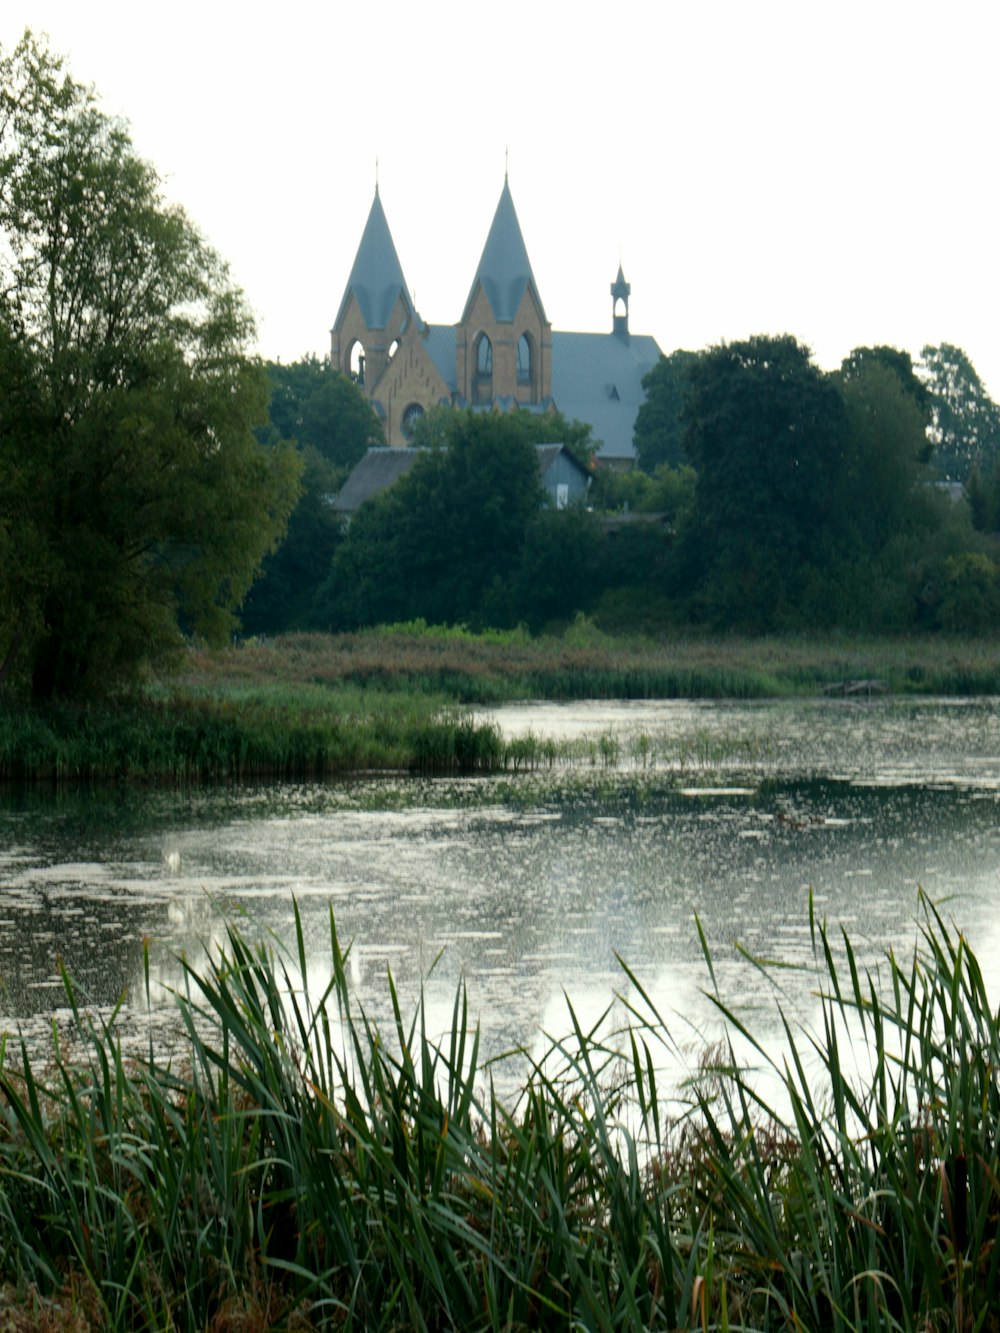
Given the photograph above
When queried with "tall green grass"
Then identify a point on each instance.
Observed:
(298, 1167)
(243, 733)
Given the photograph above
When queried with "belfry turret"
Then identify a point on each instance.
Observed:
(620, 292)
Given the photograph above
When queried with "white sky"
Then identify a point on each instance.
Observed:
(821, 167)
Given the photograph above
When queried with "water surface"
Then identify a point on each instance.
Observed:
(530, 886)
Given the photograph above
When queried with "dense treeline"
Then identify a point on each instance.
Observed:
(770, 496)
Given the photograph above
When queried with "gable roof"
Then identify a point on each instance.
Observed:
(377, 276)
(377, 470)
(597, 378)
(504, 269)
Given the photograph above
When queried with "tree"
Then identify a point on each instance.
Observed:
(314, 405)
(899, 363)
(886, 452)
(445, 540)
(767, 436)
(435, 429)
(659, 424)
(138, 502)
(965, 421)
(330, 422)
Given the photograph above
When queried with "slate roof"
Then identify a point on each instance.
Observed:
(377, 470)
(597, 378)
(377, 276)
(440, 343)
(504, 269)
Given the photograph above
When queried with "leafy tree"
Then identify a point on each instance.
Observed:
(330, 422)
(970, 601)
(659, 424)
(284, 596)
(767, 436)
(444, 541)
(137, 498)
(316, 406)
(560, 568)
(435, 429)
(900, 363)
(965, 421)
(886, 449)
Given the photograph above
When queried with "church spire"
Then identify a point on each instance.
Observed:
(620, 291)
(504, 270)
(376, 280)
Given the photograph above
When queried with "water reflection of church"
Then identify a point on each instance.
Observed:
(503, 353)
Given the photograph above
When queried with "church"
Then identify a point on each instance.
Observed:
(502, 354)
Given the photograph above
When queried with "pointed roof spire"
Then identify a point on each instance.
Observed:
(504, 269)
(620, 289)
(377, 276)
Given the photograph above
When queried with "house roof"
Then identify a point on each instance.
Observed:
(549, 453)
(504, 269)
(377, 470)
(383, 465)
(597, 378)
(377, 276)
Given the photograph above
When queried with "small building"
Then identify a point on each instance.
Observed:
(565, 480)
(503, 353)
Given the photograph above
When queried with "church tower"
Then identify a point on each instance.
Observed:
(376, 308)
(503, 342)
(379, 339)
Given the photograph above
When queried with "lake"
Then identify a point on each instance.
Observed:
(530, 886)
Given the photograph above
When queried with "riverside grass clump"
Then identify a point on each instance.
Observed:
(246, 732)
(297, 1167)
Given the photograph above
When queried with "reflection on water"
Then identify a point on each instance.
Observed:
(529, 886)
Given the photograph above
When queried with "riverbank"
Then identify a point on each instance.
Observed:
(313, 706)
(298, 1168)
(584, 663)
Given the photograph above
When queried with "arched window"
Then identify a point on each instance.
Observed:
(356, 362)
(482, 387)
(393, 348)
(411, 415)
(525, 360)
(484, 356)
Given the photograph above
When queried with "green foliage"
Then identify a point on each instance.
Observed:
(864, 359)
(768, 436)
(886, 445)
(129, 471)
(560, 572)
(302, 1165)
(319, 408)
(443, 542)
(970, 599)
(660, 424)
(436, 430)
(284, 596)
(965, 421)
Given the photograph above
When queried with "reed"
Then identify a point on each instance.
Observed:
(300, 1167)
(239, 733)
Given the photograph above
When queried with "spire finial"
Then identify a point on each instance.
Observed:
(506, 164)
(376, 173)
